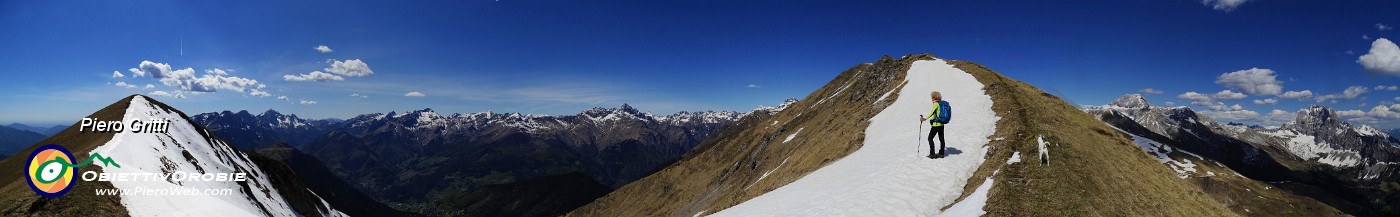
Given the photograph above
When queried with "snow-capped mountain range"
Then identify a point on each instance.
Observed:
(251, 132)
(1316, 138)
(1316, 151)
(613, 145)
(1188, 131)
(429, 121)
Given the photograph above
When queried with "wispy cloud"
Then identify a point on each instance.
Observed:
(1223, 5)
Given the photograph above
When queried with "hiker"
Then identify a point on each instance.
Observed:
(937, 117)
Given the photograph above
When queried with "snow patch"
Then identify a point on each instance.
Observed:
(765, 174)
(882, 97)
(838, 91)
(794, 135)
(973, 204)
(1184, 167)
(1015, 158)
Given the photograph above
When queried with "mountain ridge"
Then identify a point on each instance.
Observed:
(1331, 160)
(1094, 165)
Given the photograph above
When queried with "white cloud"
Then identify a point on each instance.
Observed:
(149, 86)
(1348, 94)
(1353, 91)
(358, 95)
(1387, 112)
(350, 68)
(1196, 98)
(1169, 103)
(1378, 114)
(157, 70)
(314, 76)
(1384, 58)
(414, 94)
(1223, 5)
(1277, 117)
(125, 85)
(1234, 115)
(116, 74)
(176, 95)
(1228, 95)
(259, 93)
(1219, 107)
(1253, 81)
(753, 86)
(282, 98)
(216, 71)
(1269, 101)
(1150, 91)
(185, 79)
(1383, 27)
(212, 83)
(307, 102)
(323, 49)
(1365, 37)
(1390, 88)
(338, 71)
(1300, 95)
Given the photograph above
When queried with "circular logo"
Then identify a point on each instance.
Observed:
(50, 170)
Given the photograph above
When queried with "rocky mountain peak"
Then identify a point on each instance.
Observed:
(1317, 116)
(271, 112)
(628, 108)
(1131, 101)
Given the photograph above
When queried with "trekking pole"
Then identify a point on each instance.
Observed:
(918, 137)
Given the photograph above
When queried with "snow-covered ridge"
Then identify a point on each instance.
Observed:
(858, 184)
(186, 149)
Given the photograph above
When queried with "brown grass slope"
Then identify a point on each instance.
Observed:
(19, 200)
(1093, 169)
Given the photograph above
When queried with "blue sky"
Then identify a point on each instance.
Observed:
(560, 57)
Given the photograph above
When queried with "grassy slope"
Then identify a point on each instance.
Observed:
(1095, 170)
